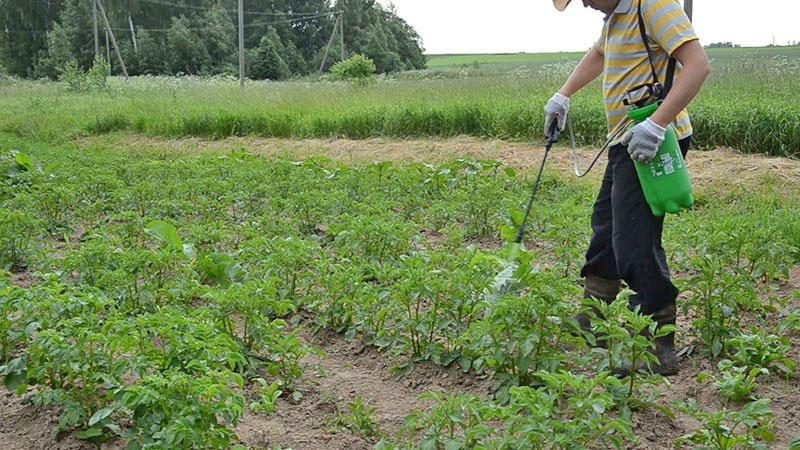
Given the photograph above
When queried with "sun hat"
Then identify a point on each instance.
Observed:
(561, 4)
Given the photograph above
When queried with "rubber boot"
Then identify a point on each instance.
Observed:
(665, 348)
(600, 289)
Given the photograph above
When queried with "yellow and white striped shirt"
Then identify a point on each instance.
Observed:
(626, 61)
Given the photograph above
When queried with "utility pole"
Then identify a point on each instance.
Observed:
(94, 29)
(113, 40)
(341, 32)
(133, 34)
(330, 41)
(241, 44)
(687, 6)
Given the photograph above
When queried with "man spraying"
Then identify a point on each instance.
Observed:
(633, 53)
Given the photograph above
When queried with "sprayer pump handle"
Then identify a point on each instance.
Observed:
(553, 133)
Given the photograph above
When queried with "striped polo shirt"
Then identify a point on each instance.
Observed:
(626, 61)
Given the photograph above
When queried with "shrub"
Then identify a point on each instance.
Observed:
(78, 80)
(357, 68)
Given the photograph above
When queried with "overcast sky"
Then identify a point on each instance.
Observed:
(509, 26)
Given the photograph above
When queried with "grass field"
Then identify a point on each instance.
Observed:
(744, 105)
(183, 267)
(527, 59)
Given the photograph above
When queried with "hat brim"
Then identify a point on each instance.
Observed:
(561, 5)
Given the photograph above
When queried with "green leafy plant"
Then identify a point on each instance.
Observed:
(78, 80)
(763, 351)
(735, 383)
(178, 410)
(17, 244)
(268, 395)
(790, 323)
(629, 339)
(360, 418)
(718, 298)
(219, 269)
(569, 411)
(358, 68)
(455, 421)
(750, 428)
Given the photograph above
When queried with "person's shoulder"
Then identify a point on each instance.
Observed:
(653, 6)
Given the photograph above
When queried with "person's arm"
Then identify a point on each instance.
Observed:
(694, 72)
(590, 67)
(557, 108)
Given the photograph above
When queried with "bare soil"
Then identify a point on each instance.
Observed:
(722, 165)
(26, 427)
(341, 372)
(346, 369)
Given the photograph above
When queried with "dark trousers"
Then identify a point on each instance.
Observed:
(626, 240)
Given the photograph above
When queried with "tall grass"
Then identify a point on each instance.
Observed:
(749, 104)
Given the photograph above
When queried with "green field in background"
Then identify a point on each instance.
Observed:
(450, 61)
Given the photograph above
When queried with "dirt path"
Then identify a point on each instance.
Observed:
(722, 165)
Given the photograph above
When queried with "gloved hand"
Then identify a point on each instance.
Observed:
(556, 109)
(644, 140)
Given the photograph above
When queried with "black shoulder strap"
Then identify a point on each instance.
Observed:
(646, 44)
(670, 76)
(670, 66)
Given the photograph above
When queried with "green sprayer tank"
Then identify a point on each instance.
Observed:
(664, 180)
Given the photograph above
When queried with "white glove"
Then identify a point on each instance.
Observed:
(556, 109)
(644, 140)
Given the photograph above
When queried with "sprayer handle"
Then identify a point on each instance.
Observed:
(553, 133)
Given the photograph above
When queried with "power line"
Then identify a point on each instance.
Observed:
(254, 13)
(252, 25)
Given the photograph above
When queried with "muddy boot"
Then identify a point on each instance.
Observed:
(601, 289)
(665, 348)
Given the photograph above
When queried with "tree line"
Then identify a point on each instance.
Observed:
(283, 38)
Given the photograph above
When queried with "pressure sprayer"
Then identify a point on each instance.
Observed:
(665, 180)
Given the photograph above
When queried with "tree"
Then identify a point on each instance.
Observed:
(268, 62)
(200, 36)
(24, 25)
(52, 60)
(76, 19)
(219, 36)
(150, 57)
(380, 34)
(187, 54)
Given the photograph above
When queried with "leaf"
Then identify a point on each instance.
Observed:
(166, 233)
(598, 407)
(402, 370)
(220, 269)
(189, 251)
(510, 172)
(101, 414)
(716, 347)
(297, 396)
(24, 162)
(14, 380)
(90, 433)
